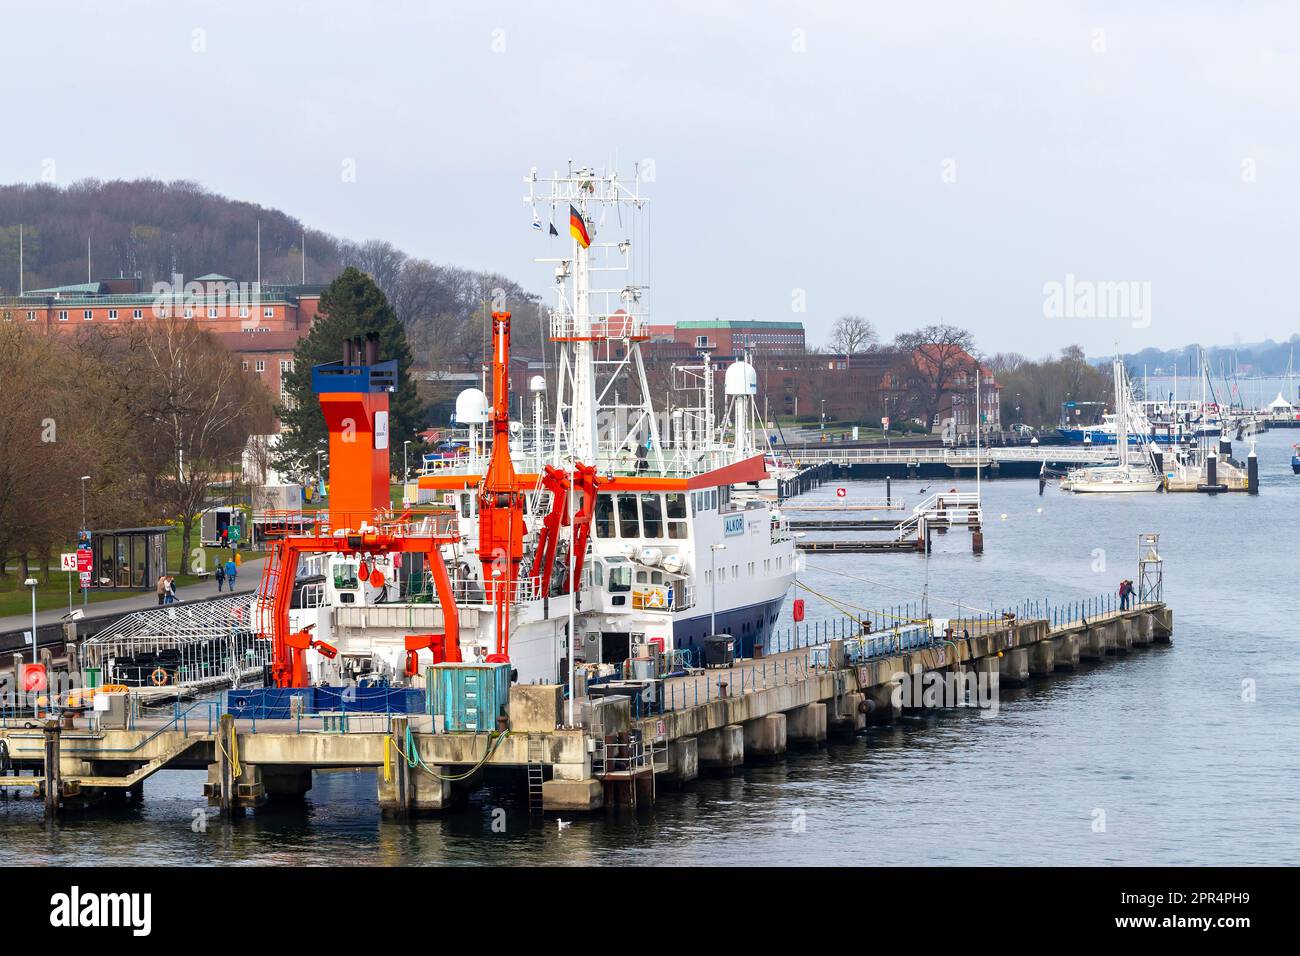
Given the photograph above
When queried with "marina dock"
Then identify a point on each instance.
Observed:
(625, 747)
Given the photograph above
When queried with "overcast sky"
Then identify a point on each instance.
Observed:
(909, 162)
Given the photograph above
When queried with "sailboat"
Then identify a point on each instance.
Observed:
(1134, 471)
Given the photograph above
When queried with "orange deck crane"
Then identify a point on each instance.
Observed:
(360, 520)
(501, 498)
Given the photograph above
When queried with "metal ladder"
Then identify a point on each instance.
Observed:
(536, 759)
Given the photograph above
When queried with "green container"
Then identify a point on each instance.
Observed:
(470, 697)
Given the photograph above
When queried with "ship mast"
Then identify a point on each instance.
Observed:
(599, 329)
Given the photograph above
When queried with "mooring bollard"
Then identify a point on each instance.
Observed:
(53, 779)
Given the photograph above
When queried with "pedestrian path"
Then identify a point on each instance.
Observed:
(246, 583)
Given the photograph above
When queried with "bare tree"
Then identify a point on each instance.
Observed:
(940, 355)
(194, 407)
(852, 334)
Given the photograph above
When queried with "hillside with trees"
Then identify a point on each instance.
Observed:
(154, 229)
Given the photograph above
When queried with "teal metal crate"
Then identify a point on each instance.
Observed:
(470, 697)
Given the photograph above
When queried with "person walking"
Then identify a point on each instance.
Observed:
(171, 590)
(161, 588)
(232, 571)
(220, 575)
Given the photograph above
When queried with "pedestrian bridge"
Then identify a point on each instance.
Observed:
(961, 457)
(1007, 461)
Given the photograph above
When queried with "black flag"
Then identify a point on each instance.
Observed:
(554, 231)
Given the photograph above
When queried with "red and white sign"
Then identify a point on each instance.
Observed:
(68, 561)
(884, 422)
(85, 579)
(33, 677)
(841, 492)
(83, 561)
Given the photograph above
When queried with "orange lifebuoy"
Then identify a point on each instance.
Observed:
(159, 677)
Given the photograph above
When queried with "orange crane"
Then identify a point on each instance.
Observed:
(501, 498)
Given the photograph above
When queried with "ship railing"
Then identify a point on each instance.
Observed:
(313, 595)
(470, 591)
(456, 465)
(625, 756)
(683, 596)
(566, 327)
(437, 521)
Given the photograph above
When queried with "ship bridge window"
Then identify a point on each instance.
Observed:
(676, 515)
(652, 516)
(345, 576)
(620, 579)
(604, 516)
(629, 526)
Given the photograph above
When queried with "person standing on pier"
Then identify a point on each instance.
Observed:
(1125, 592)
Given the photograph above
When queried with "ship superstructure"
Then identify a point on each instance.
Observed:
(601, 531)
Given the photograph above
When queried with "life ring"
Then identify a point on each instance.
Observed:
(656, 599)
(158, 677)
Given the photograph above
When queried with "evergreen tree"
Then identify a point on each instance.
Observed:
(351, 306)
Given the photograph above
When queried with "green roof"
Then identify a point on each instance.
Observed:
(85, 288)
(754, 324)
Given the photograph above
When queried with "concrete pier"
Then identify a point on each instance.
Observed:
(790, 697)
(1042, 658)
(808, 724)
(765, 736)
(1065, 652)
(849, 715)
(1092, 643)
(1013, 667)
(681, 762)
(722, 748)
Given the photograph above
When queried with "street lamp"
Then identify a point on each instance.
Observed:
(31, 583)
(713, 586)
(85, 592)
(406, 473)
(823, 414)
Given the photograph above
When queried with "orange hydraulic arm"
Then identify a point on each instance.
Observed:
(556, 481)
(500, 501)
(588, 481)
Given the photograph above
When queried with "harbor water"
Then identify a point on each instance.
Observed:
(1186, 754)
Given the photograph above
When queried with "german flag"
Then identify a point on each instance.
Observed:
(578, 227)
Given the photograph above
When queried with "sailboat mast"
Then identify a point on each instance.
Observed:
(1121, 413)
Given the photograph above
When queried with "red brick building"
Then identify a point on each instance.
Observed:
(260, 324)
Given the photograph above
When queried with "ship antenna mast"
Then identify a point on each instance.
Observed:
(598, 328)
